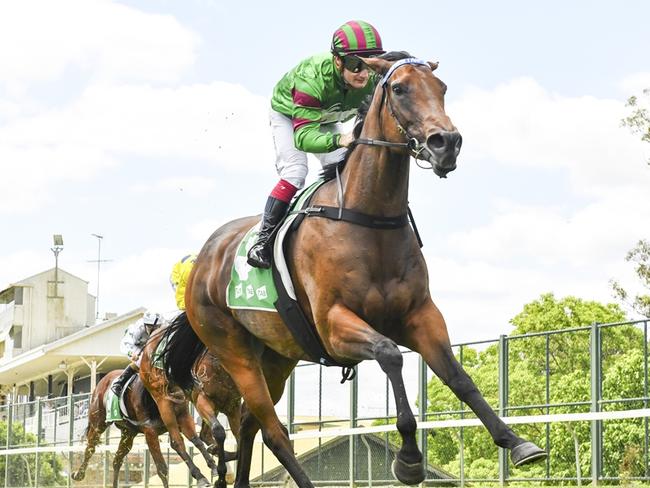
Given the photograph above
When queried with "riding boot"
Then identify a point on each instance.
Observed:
(118, 386)
(259, 256)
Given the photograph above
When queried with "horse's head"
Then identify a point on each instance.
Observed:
(414, 108)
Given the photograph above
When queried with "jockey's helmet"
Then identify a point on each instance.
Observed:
(356, 37)
(152, 319)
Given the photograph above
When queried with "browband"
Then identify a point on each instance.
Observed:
(399, 63)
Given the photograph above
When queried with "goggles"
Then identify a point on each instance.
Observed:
(353, 63)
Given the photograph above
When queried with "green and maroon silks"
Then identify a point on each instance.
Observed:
(313, 94)
(357, 37)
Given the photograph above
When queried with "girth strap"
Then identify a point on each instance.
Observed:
(365, 220)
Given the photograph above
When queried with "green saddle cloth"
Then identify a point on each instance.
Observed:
(253, 288)
(113, 411)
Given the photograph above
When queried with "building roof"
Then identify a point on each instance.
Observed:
(7, 294)
(97, 341)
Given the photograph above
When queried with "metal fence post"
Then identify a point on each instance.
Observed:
(70, 433)
(503, 403)
(354, 399)
(39, 427)
(291, 402)
(422, 410)
(10, 419)
(147, 460)
(645, 396)
(596, 425)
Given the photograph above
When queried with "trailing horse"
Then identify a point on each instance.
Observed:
(143, 418)
(363, 287)
(211, 390)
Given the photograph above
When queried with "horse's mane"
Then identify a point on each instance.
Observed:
(329, 171)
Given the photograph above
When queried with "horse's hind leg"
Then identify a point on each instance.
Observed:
(188, 427)
(353, 338)
(151, 436)
(427, 334)
(168, 416)
(209, 415)
(124, 447)
(245, 369)
(93, 435)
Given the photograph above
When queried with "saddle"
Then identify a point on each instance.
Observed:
(115, 407)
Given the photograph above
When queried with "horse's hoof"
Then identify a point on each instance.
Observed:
(409, 474)
(221, 483)
(203, 483)
(77, 476)
(526, 453)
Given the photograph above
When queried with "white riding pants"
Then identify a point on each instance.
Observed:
(290, 162)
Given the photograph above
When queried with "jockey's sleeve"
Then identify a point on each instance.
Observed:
(307, 116)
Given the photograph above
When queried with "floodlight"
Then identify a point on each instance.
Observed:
(58, 240)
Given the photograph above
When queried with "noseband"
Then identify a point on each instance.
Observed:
(415, 147)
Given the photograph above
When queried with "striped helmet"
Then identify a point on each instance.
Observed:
(356, 37)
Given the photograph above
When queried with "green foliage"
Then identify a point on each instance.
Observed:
(22, 467)
(568, 366)
(639, 119)
(640, 256)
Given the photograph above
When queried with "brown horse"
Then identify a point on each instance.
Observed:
(213, 391)
(364, 289)
(143, 418)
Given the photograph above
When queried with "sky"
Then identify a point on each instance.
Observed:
(146, 122)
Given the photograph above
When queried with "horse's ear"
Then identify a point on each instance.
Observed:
(378, 65)
(433, 65)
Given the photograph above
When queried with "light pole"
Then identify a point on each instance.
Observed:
(99, 260)
(56, 249)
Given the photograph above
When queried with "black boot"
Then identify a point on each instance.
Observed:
(118, 386)
(259, 256)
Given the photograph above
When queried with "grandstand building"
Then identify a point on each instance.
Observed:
(50, 342)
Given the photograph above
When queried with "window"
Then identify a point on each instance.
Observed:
(17, 336)
(18, 295)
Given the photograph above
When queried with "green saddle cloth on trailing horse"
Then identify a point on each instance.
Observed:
(254, 288)
(115, 408)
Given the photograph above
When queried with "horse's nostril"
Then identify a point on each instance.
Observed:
(436, 141)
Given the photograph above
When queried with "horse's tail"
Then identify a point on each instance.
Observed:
(181, 350)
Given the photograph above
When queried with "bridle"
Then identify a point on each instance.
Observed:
(415, 148)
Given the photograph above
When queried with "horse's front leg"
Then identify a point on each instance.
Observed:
(354, 339)
(426, 333)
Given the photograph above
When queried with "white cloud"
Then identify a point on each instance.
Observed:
(219, 124)
(521, 124)
(196, 186)
(635, 84)
(19, 265)
(141, 279)
(108, 40)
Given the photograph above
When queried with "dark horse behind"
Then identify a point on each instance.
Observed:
(143, 418)
(364, 289)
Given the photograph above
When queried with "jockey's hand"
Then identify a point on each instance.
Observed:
(346, 139)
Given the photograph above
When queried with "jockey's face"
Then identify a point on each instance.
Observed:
(354, 80)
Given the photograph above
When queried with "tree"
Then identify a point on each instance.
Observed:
(639, 120)
(640, 256)
(568, 367)
(22, 467)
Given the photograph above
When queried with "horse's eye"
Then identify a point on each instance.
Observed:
(398, 89)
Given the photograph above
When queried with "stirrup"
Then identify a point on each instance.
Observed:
(258, 259)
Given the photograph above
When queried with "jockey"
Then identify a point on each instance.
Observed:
(133, 342)
(307, 107)
(178, 278)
